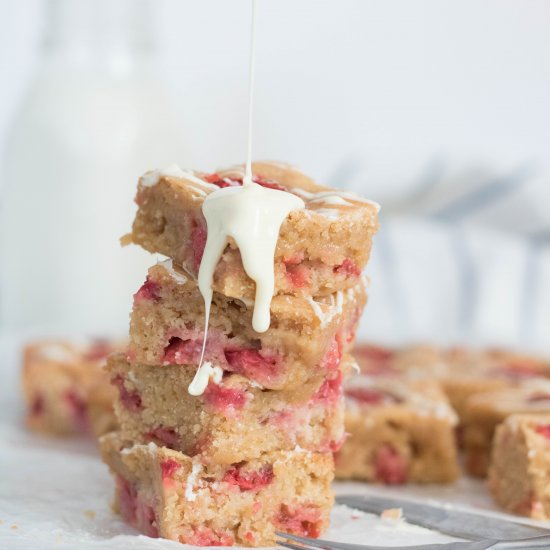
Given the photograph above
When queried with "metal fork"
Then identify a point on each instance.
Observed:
(308, 543)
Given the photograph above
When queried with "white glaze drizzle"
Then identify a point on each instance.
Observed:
(247, 180)
(151, 179)
(331, 197)
(168, 265)
(190, 495)
(202, 377)
(252, 216)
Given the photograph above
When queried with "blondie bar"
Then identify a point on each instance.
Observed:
(461, 372)
(65, 387)
(519, 475)
(165, 493)
(304, 344)
(399, 431)
(484, 412)
(321, 249)
(233, 420)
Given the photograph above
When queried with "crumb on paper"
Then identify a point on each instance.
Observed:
(14, 526)
(90, 514)
(392, 514)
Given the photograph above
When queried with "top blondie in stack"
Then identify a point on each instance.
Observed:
(252, 453)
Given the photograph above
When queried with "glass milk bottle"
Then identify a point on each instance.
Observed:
(96, 116)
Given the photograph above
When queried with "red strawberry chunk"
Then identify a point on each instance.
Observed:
(301, 520)
(246, 480)
(348, 268)
(371, 396)
(98, 350)
(181, 352)
(205, 536)
(252, 364)
(167, 436)
(149, 290)
(539, 397)
(216, 179)
(130, 399)
(198, 242)
(78, 407)
(332, 358)
(390, 467)
(330, 389)
(223, 399)
(37, 405)
(298, 275)
(374, 360)
(544, 430)
(168, 467)
(126, 499)
(517, 370)
(146, 519)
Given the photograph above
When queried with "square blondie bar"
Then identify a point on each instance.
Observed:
(233, 420)
(485, 411)
(519, 474)
(303, 345)
(321, 249)
(399, 431)
(65, 388)
(164, 493)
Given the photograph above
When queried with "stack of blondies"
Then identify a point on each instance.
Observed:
(253, 454)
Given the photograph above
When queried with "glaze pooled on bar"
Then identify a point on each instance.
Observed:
(252, 216)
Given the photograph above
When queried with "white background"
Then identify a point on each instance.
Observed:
(376, 96)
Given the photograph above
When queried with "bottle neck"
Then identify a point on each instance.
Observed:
(111, 34)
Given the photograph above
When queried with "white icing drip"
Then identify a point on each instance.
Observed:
(247, 180)
(168, 265)
(191, 478)
(203, 375)
(335, 308)
(339, 302)
(252, 215)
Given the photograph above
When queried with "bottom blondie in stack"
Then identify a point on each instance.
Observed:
(251, 452)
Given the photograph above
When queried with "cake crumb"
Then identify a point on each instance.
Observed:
(14, 526)
(90, 514)
(392, 513)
